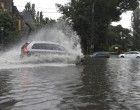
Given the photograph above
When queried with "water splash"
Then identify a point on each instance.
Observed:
(71, 42)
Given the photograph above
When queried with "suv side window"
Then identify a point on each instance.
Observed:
(135, 53)
(128, 53)
(47, 46)
(42, 46)
(57, 47)
(37, 46)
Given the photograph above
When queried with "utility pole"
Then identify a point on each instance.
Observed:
(2, 40)
(93, 26)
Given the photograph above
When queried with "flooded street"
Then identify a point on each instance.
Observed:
(99, 84)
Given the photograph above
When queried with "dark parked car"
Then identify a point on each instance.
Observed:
(41, 48)
(100, 55)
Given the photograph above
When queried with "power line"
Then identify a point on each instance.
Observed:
(50, 12)
(37, 7)
(45, 8)
(42, 8)
(43, 12)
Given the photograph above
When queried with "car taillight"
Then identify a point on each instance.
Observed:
(25, 50)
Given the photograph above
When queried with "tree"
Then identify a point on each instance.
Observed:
(136, 27)
(91, 19)
(37, 17)
(28, 7)
(41, 17)
(10, 31)
(50, 22)
(117, 35)
(44, 21)
(31, 9)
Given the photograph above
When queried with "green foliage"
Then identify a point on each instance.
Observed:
(136, 27)
(41, 17)
(28, 6)
(91, 19)
(38, 16)
(118, 35)
(31, 9)
(7, 22)
(112, 48)
(10, 32)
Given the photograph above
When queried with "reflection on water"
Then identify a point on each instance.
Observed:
(99, 84)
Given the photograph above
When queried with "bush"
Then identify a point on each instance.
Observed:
(112, 48)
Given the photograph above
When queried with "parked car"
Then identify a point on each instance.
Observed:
(38, 48)
(130, 54)
(100, 55)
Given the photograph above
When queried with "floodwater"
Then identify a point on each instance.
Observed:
(98, 84)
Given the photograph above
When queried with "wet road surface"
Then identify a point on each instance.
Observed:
(98, 84)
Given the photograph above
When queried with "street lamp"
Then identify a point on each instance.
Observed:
(2, 42)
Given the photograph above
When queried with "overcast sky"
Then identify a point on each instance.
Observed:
(49, 9)
(126, 20)
(47, 6)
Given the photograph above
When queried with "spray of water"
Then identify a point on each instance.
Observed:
(71, 42)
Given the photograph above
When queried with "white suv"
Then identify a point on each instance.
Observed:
(41, 48)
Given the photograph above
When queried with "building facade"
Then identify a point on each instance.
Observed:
(8, 6)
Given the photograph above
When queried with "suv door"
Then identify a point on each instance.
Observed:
(46, 48)
(41, 49)
(57, 49)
